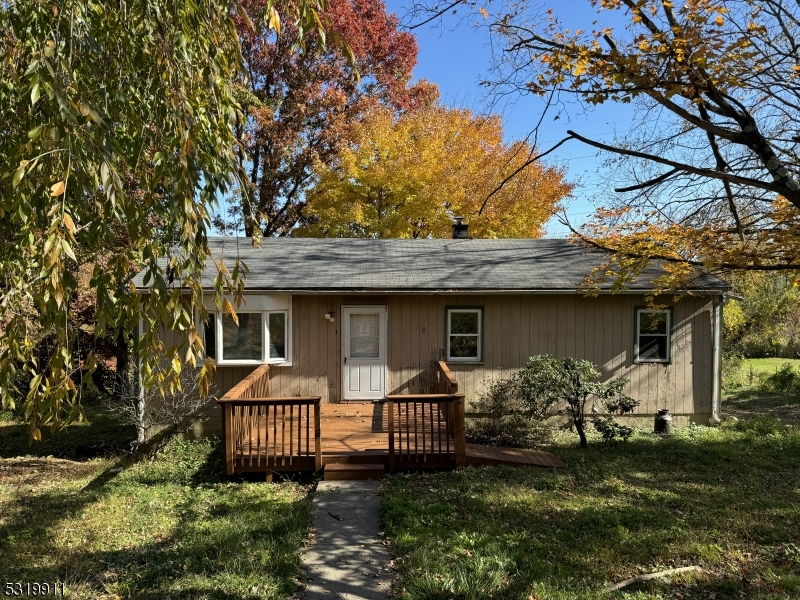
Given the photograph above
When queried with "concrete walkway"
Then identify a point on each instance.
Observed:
(347, 558)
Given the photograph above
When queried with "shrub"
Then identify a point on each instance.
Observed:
(507, 422)
(786, 380)
(570, 382)
(516, 405)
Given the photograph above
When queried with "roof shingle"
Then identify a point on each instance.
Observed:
(430, 265)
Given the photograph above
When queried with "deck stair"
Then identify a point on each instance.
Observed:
(351, 472)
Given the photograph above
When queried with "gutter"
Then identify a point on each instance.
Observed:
(716, 386)
(708, 292)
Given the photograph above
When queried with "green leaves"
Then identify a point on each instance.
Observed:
(83, 124)
(569, 383)
(117, 139)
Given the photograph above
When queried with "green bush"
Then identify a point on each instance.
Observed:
(512, 431)
(733, 372)
(786, 380)
(506, 422)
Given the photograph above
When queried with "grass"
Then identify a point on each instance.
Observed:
(769, 365)
(726, 499)
(172, 527)
(100, 434)
(748, 393)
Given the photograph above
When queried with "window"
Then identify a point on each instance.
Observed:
(653, 333)
(245, 341)
(276, 329)
(464, 330)
(210, 336)
(260, 337)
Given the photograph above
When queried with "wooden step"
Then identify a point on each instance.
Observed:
(350, 472)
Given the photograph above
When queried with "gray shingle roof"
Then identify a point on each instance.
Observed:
(347, 265)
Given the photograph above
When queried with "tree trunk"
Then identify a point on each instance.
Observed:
(141, 406)
(579, 425)
(122, 377)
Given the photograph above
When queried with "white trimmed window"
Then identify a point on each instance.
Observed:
(653, 336)
(260, 337)
(464, 334)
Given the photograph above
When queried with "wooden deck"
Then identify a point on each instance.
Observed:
(424, 431)
(357, 433)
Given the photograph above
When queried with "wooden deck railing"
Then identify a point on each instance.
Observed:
(447, 381)
(428, 430)
(269, 434)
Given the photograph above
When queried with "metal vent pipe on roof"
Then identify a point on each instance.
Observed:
(460, 229)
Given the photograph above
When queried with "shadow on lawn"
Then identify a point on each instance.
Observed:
(727, 505)
(744, 404)
(102, 434)
(227, 540)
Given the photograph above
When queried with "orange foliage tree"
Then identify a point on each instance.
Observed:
(711, 177)
(406, 176)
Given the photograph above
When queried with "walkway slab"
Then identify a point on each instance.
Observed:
(347, 558)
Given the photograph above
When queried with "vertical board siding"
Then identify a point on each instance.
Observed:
(515, 327)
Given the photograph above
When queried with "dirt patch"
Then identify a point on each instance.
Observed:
(749, 404)
(43, 472)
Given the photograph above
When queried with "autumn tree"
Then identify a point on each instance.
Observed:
(710, 175)
(297, 105)
(116, 139)
(408, 175)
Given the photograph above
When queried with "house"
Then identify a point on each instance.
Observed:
(360, 320)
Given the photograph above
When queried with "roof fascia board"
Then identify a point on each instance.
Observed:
(494, 292)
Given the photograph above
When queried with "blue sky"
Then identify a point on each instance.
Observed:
(458, 56)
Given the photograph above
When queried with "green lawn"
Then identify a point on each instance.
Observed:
(725, 499)
(172, 528)
(769, 365)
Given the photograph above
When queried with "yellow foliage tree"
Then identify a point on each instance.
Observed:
(406, 177)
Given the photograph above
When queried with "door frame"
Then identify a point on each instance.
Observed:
(383, 351)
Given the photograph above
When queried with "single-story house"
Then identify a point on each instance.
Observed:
(362, 319)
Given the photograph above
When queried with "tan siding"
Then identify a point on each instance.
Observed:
(515, 327)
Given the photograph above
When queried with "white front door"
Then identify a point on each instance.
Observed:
(364, 352)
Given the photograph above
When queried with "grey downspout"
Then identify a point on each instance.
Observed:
(716, 385)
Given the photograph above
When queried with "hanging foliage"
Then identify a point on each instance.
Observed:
(116, 138)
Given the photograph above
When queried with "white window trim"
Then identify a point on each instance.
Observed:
(667, 335)
(265, 359)
(479, 335)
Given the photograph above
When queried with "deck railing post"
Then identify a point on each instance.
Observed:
(459, 431)
(390, 405)
(230, 443)
(317, 437)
